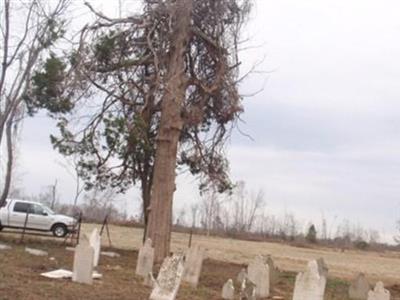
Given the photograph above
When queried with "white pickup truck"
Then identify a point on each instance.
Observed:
(13, 214)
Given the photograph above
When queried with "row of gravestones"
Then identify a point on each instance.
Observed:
(256, 281)
(173, 270)
(261, 275)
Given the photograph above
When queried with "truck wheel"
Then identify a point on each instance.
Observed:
(60, 230)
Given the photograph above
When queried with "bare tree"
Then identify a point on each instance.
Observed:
(98, 204)
(246, 208)
(194, 209)
(209, 210)
(71, 165)
(29, 29)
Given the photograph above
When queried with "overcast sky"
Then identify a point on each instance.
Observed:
(325, 127)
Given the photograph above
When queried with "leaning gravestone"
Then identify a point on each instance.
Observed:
(36, 252)
(258, 273)
(273, 271)
(241, 276)
(379, 292)
(95, 242)
(359, 288)
(322, 267)
(83, 262)
(310, 285)
(145, 260)
(248, 290)
(193, 264)
(169, 279)
(228, 290)
(4, 247)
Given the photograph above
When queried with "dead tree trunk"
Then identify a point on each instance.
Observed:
(159, 228)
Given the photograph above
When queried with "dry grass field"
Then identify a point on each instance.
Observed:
(383, 266)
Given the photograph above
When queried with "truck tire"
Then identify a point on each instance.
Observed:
(59, 230)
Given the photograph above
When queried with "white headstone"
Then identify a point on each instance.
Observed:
(258, 273)
(169, 279)
(241, 276)
(193, 264)
(359, 288)
(95, 242)
(110, 254)
(4, 247)
(36, 252)
(228, 290)
(379, 292)
(83, 262)
(145, 260)
(310, 285)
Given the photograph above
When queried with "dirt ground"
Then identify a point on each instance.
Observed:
(20, 272)
(384, 266)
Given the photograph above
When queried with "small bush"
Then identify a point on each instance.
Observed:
(361, 245)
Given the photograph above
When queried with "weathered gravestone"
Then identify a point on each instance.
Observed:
(322, 267)
(83, 262)
(169, 279)
(95, 242)
(36, 252)
(258, 273)
(248, 290)
(145, 260)
(4, 247)
(379, 292)
(310, 285)
(241, 276)
(359, 288)
(193, 264)
(273, 272)
(228, 290)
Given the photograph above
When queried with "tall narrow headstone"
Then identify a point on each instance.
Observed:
(228, 290)
(241, 276)
(193, 264)
(273, 272)
(258, 273)
(83, 262)
(169, 279)
(95, 242)
(359, 288)
(310, 285)
(145, 261)
(379, 292)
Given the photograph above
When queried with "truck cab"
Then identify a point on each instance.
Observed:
(15, 213)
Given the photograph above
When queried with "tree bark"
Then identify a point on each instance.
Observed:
(146, 197)
(160, 218)
(10, 160)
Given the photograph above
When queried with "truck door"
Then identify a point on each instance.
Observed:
(39, 219)
(17, 214)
